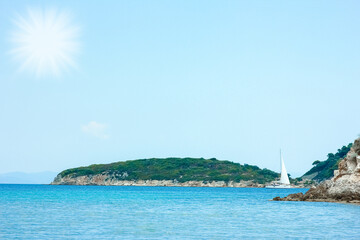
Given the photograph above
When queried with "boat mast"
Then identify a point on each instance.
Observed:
(280, 161)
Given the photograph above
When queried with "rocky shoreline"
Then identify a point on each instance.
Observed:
(106, 180)
(344, 187)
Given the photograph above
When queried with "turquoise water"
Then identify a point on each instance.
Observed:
(100, 212)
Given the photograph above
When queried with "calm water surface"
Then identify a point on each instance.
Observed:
(103, 212)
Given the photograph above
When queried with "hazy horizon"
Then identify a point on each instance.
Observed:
(84, 82)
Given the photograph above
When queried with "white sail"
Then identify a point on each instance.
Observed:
(284, 179)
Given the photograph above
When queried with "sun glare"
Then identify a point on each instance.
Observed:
(45, 42)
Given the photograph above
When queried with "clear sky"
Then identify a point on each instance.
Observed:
(235, 80)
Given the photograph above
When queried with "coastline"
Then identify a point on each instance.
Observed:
(106, 180)
(353, 202)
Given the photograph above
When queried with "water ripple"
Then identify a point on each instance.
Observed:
(98, 212)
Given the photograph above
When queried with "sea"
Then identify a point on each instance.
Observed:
(118, 212)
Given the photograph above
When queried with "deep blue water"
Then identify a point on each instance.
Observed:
(103, 212)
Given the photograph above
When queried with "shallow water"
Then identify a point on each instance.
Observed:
(104, 212)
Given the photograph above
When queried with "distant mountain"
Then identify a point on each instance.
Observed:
(27, 178)
(324, 170)
(177, 170)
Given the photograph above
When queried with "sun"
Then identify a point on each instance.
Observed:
(45, 42)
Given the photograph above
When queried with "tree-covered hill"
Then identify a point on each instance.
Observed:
(181, 169)
(324, 170)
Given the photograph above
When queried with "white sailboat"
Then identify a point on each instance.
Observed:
(284, 179)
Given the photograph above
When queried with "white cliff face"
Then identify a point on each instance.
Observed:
(346, 180)
(110, 180)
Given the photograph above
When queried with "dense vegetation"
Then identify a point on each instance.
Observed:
(323, 170)
(181, 169)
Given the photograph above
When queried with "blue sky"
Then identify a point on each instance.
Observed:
(234, 80)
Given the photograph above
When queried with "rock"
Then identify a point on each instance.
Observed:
(110, 180)
(343, 187)
(295, 196)
(290, 197)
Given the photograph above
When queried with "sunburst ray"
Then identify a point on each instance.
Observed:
(45, 42)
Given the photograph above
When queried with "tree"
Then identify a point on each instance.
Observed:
(316, 162)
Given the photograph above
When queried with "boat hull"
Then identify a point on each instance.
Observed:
(278, 186)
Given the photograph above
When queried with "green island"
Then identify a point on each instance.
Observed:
(324, 170)
(181, 169)
(188, 169)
